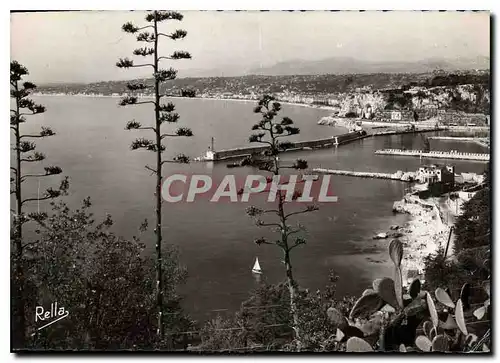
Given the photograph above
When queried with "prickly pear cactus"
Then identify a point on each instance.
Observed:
(386, 318)
(447, 330)
(383, 316)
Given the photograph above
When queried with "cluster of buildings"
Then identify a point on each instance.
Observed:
(437, 174)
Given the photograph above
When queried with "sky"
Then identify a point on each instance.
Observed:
(84, 46)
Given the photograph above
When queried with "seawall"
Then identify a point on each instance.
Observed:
(435, 154)
(399, 175)
(297, 145)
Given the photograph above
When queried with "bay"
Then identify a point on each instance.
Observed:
(216, 240)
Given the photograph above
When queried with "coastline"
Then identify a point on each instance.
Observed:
(367, 123)
(423, 234)
(319, 107)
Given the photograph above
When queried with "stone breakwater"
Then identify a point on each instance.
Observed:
(455, 138)
(399, 175)
(245, 151)
(482, 141)
(435, 154)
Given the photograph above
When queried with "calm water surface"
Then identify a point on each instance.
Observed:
(216, 240)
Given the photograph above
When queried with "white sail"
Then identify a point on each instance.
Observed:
(256, 267)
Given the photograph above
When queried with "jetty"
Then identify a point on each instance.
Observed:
(435, 154)
(239, 152)
(399, 175)
(456, 138)
(401, 132)
(482, 141)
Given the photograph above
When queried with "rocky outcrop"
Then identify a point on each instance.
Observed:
(362, 105)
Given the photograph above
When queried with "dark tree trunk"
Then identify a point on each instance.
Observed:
(159, 278)
(19, 303)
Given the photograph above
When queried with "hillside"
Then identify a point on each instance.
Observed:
(298, 84)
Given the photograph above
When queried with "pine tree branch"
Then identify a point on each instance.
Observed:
(134, 125)
(35, 136)
(172, 162)
(141, 65)
(178, 34)
(154, 171)
(143, 102)
(307, 210)
(177, 55)
(264, 142)
(264, 242)
(36, 199)
(128, 63)
(168, 135)
(263, 224)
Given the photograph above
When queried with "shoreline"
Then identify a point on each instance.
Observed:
(365, 122)
(319, 107)
(423, 234)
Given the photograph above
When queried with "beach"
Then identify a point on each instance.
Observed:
(424, 234)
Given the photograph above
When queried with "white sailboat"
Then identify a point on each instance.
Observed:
(256, 267)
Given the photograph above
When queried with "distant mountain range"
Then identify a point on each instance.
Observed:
(343, 65)
(351, 65)
(330, 66)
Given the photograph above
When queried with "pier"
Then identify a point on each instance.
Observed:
(401, 132)
(482, 141)
(404, 176)
(332, 141)
(435, 154)
(456, 138)
(399, 175)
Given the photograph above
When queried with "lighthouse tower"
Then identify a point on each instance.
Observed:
(210, 154)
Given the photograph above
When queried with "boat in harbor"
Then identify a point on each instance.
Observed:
(256, 267)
